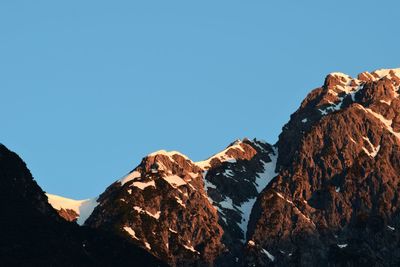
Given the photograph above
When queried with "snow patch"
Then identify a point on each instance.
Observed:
(131, 232)
(342, 245)
(341, 75)
(374, 150)
(227, 203)
(172, 231)
(193, 175)
(386, 102)
(83, 208)
(207, 185)
(191, 248)
(228, 173)
(147, 245)
(174, 180)
(265, 177)
(222, 156)
(251, 243)
(386, 72)
(143, 185)
(269, 255)
(349, 90)
(142, 211)
(295, 208)
(131, 176)
(180, 202)
(262, 180)
(168, 154)
(387, 123)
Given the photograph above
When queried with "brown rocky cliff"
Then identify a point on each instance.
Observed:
(233, 179)
(163, 207)
(68, 215)
(189, 213)
(337, 192)
(327, 194)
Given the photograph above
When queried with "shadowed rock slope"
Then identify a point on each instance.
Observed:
(32, 233)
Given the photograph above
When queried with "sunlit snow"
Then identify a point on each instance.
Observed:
(83, 208)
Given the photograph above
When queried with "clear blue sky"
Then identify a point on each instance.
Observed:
(90, 87)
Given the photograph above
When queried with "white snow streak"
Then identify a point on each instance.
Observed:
(131, 176)
(191, 248)
(269, 255)
(174, 180)
(131, 232)
(142, 211)
(262, 180)
(143, 185)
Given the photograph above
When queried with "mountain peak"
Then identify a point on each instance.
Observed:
(329, 187)
(168, 154)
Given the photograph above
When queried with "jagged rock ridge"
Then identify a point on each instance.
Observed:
(326, 194)
(335, 200)
(185, 212)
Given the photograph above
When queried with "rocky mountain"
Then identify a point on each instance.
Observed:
(162, 206)
(188, 213)
(326, 194)
(32, 233)
(335, 200)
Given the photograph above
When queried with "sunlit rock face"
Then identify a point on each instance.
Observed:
(336, 197)
(326, 194)
(188, 212)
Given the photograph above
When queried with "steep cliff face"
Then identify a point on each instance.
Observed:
(336, 197)
(233, 180)
(163, 207)
(187, 212)
(32, 234)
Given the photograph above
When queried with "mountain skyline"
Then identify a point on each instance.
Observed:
(117, 82)
(327, 193)
(62, 197)
(380, 72)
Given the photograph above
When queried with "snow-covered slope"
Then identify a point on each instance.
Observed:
(73, 210)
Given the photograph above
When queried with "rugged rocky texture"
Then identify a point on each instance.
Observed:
(233, 180)
(32, 234)
(327, 194)
(336, 198)
(162, 206)
(68, 215)
(189, 213)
